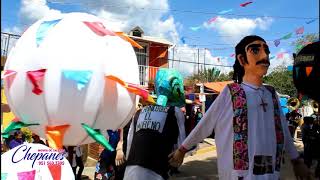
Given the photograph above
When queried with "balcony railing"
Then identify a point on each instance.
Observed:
(7, 42)
(147, 74)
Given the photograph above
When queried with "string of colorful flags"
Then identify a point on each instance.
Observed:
(298, 31)
(223, 12)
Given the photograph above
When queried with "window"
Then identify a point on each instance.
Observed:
(136, 33)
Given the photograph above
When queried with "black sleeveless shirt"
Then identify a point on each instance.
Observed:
(155, 133)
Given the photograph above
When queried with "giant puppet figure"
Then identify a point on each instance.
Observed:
(155, 130)
(251, 132)
(69, 77)
(306, 77)
(306, 71)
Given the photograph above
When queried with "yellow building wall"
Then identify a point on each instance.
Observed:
(7, 117)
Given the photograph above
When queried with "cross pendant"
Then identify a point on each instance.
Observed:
(263, 104)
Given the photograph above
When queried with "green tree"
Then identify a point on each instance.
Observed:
(225, 76)
(209, 75)
(303, 40)
(282, 80)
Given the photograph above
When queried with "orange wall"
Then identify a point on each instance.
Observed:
(155, 51)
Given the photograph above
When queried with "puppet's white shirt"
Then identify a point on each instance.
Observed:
(261, 132)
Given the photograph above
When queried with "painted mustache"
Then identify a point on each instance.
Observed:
(263, 61)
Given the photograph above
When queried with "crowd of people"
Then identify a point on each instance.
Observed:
(251, 132)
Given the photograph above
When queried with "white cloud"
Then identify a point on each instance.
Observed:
(190, 57)
(234, 29)
(13, 30)
(263, 23)
(286, 60)
(33, 10)
(12, 41)
(121, 15)
(145, 13)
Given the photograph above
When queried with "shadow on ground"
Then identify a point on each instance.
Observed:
(205, 169)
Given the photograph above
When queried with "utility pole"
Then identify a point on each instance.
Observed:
(198, 62)
(204, 63)
(172, 57)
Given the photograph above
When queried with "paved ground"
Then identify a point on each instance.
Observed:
(201, 164)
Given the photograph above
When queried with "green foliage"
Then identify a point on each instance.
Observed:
(27, 133)
(209, 75)
(282, 80)
(303, 40)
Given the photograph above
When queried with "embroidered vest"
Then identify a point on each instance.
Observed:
(240, 128)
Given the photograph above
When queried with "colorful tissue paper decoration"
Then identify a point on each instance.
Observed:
(133, 88)
(36, 78)
(55, 135)
(9, 76)
(196, 28)
(288, 36)
(80, 77)
(280, 55)
(61, 81)
(212, 20)
(163, 54)
(131, 41)
(300, 30)
(27, 175)
(55, 170)
(97, 136)
(183, 40)
(311, 21)
(15, 125)
(245, 4)
(226, 11)
(98, 28)
(44, 29)
(277, 42)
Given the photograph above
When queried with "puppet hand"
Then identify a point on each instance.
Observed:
(120, 158)
(176, 158)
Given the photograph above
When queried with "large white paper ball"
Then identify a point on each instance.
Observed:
(72, 45)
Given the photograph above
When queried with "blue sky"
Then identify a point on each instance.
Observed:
(172, 20)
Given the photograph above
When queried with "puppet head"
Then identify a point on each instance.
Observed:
(169, 88)
(306, 71)
(252, 56)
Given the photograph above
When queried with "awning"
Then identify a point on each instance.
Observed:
(217, 86)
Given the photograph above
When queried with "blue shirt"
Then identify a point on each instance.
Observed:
(14, 143)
